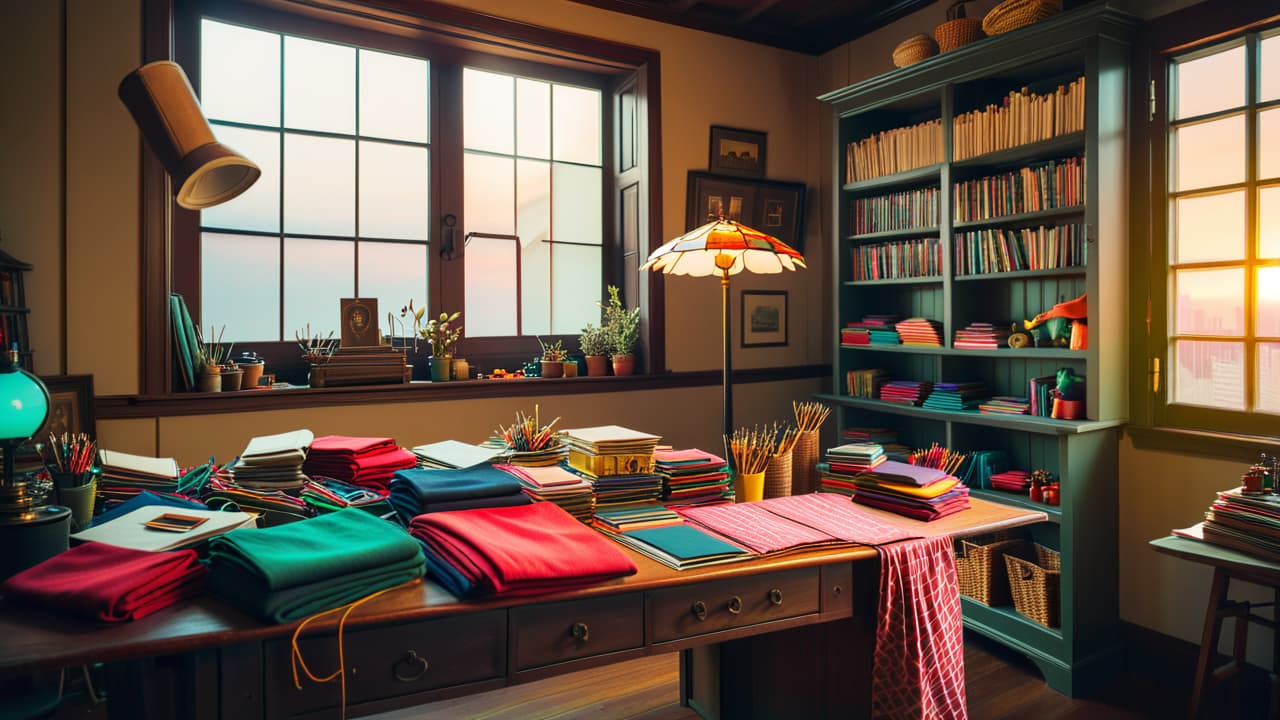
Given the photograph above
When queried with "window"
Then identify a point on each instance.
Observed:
(1216, 311)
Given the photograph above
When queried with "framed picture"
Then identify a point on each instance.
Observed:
(764, 318)
(771, 206)
(737, 152)
(70, 406)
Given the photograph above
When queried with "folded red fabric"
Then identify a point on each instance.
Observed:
(346, 445)
(110, 583)
(521, 550)
(377, 465)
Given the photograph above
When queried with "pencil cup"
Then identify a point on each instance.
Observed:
(777, 476)
(804, 463)
(80, 500)
(748, 487)
(70, 479)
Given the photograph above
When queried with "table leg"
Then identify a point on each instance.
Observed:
(1208, 639)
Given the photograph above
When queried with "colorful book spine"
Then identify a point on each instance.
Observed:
(1021, 117)
(894, 151)
(1045, 186)
(896, 211)
(898, 259)
(1042, 248)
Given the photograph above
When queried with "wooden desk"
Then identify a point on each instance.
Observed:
(790, 636)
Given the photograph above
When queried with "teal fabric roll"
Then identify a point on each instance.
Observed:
(288, 572)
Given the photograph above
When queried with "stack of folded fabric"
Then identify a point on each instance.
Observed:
(956, 397)
(365, 461)
(108, 582)
(277, 507)
(554, 484)
(982, 336)
(917, 492)
(124, 475)
(453, 454)
(1018, 481)
(920, 332)
(908, 392)
(418, 491)
(328, 495)
(692, 477)
(514, 551)
(273, 462)
(1005, 405)
(288, 572)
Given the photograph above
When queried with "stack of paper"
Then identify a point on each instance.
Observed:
(918, 492)
(956, 397)
(921, 332)
(635, 516)
(130, 530)
(1005, 405)
(125, 475)
(909, 392)
(273, 462)
(681, 546)
(692, 477)
(1018, 481)
(453, 454)
(554, 484)
(982, 336)
(1248, 523)
(618, 461)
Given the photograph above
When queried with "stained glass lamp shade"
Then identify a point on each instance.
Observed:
(724, 247)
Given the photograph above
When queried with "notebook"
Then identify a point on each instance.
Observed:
(130, 530)
(681, 546)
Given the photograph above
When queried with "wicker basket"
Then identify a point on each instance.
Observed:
(1013, 14)
(1035, 585)
(777, 476)
(804, 463)
(914, 49)
(958, 33)
(980, 571)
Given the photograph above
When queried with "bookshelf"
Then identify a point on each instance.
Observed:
(1022, 155)
(13, 308)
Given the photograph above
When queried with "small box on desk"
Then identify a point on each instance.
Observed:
(371, 365)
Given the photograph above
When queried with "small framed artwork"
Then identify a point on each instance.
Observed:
(359, 322)
(70, 406)
(770, 206)
(737, 152)
(764, 318)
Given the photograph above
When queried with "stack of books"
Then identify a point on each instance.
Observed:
(125, 475)
(1017, 481)
(982, 336)
(619, 463)
(844, 463)
(692, 477)
(917, 492)
(637, 516)
(920, 332)
(880, 329)
(273, 462)
(361, 366)
(1040, 395)
(1005, 405)
(866, 383)
(956, 397)
(886, 439)
(1248, 523)
(908, 392)
(554, 484)
(450, 454)
(681, 546)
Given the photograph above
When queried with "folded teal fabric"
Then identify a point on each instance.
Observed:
(287, 572)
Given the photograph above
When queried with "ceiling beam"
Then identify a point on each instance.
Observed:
(753, 12)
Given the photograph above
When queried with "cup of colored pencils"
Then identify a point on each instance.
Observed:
(938, 458)
(751, 451)
(528, 434)
(69, 459)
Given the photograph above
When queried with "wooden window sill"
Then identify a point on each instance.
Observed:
(1244, 448)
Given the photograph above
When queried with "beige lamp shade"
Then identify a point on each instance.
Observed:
(204, 171)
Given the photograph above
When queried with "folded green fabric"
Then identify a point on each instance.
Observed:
(290, 571)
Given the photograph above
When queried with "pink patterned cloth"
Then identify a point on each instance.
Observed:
(919, 659)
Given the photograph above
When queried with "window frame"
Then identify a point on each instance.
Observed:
(446, 35)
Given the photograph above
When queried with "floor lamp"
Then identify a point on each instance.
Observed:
(723, 248)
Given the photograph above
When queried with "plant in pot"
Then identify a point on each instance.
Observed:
(443, 335)
(553, 357)
(210, 356)
(594, 341)
(623, 329)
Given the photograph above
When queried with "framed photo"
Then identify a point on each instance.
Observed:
(737, 152)
(771, 206)
(764, 318)
(70, 406)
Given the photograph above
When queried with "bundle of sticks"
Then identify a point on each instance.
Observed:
(751, 449)
(786, 439)
(938, 458)
(809, 415)
(528, 433)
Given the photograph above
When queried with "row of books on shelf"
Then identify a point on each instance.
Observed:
(898, 259)
(866, 383)
(1046, 186)
(1020, 118)
(894, 151)
(1042, 248)
(955, 396)
(9, 295)
(896, 211)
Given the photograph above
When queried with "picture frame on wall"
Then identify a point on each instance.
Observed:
(764, 318)
(70, 407)
(739, 152)
(775, 207)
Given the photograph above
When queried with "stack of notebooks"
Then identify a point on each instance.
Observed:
(956, 397)
(862, 331)
(839, 473)
(908, 392)
(556, 485)
(681, 546)
(365, 461)
(275, 506)
(618, 461)
(884, 335)
(1248, 523)
(329, 495)
(1005, 405)
(273, 462)
(982, 336)
(638, 516)
(453, 454)
(885, 438)
(911, 490)
(125, 475)
(1016, 481)
(692, 477)
(920, 332)
(865, 383)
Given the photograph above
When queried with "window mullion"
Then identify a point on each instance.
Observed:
(280, 199)
(1251, 55)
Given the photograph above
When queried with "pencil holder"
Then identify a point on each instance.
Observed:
(748, 487)
(804, 463)
(777, 476)
(80, 500)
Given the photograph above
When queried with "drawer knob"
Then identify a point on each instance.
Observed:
(410, 667)
(775, 596)
(580, 632)
(699, 610)
(836, 590)
(735, 605)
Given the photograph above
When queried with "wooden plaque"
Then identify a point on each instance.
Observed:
(359, 322)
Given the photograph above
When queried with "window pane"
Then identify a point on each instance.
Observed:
(1210, 227)
(575, 124)
(394, 273)
(533, 225)
(489, 194)
(1268, 378)
(1211, 83)
(1269, 144)
(393, 96)
(1268, 302)
(575, 287)
(240, 285)
(533, 108)
(239, 73)
(257, 208)
(393, 191)
(1210, 153)
(575, 205)
(627, 133)
(1270, 73)
(317, 275)
(1209, 374)
(535, 288)
(488, 111)
(490, 298)
(319, 86)
(1209, 302)
(319, 186)
(1269, 222)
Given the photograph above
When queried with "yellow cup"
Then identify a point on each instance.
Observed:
(748, 487)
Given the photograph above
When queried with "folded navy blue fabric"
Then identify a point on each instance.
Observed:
(143, 499)
(418, 491)
(445, 574)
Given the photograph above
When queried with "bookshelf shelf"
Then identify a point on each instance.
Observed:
(1005, 498)
(1090, 43)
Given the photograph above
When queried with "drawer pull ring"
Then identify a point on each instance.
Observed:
(836, 590)
(580, 632)
(410, 661)
(735, 604)
(699, 610)
(775, 596)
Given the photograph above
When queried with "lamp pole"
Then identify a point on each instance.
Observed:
(724, 261)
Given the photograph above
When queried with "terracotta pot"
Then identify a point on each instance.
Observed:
(624, 364)
(210, 380)
(231, 379)
(252, 373)
(570, 368)
(597, 366)
(552, 368)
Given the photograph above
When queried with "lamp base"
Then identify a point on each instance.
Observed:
(31, 537)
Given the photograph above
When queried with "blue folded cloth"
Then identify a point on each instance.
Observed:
(143, 499)
(446, 575)
(418, 491)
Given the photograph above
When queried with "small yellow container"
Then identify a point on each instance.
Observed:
(748, 487)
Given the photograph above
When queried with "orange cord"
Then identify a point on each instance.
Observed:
(295, 657)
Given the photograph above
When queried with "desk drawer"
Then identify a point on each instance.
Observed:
(553, 633)
(682, 612)
(391, 660)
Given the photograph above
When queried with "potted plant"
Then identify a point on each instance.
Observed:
(553, 357)
(623, 329)
(595, 346)
(443, 335)
(210, 356)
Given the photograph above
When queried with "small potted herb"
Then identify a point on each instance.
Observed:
(443, 336)
(623, 329)
(595, 346)
(553, 357)
(210, 356)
